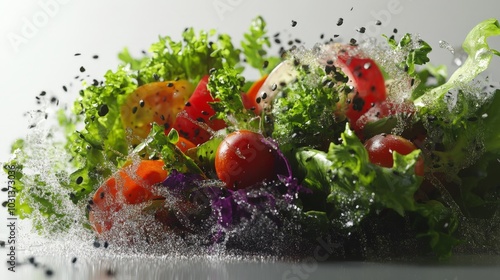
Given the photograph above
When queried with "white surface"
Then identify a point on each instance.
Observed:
(38, 39)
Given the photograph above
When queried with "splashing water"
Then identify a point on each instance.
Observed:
(445, 45)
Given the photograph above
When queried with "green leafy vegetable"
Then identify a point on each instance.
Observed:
(305, 113)
(353, 188)
(254, 47)
(226, 86)
(157, 144)
(417, 52)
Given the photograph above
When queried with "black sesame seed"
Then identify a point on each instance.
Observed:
(156, 77)
(49, 272)
(361, 30)
(79, 180)
(65, 88)
(43, 93)
(78, 54)
(31, 260)
(266, 63)
(264, 95)
(95, 56)
(257, 100)
(412, 82)
(73, 260)
(103, 110)
(322, 36)
(276, 35)
(274, 87)
(277, 41)
(340, 21)
(2, 243)
(187, 104)
(378, 22)
(395, 30)
(106, 244)
(134, 109)
(95, 82)
(294, 23)
(141, 103)
(336, 35)
(353, 42)
(358, 103)
(4, 204)
(82, 69)
(170, 84)
(97, 244)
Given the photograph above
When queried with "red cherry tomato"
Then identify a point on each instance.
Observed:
(367, 81)
(381, 147)
(243, 159)
(130, 185)
(158, 102)
(194, 122)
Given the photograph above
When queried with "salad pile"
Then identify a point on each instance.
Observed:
(364, 144)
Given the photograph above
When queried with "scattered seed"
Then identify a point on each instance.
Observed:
(79, 180)
(103, 110)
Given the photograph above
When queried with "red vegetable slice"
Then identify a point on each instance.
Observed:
(367, 81)
(195, 121)
(130, 185)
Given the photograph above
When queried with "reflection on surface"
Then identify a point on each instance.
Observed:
(75, 265)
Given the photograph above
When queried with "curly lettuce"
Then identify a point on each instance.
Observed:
(349, 189)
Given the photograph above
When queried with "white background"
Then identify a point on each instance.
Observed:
(38, 39)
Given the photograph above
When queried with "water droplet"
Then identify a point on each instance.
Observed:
(447, 46)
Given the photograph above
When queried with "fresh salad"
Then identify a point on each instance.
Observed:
(364, 145)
